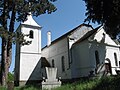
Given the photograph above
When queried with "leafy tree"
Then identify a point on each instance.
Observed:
(12, 11)
(106, 13)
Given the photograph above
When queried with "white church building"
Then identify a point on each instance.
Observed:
(82, 52)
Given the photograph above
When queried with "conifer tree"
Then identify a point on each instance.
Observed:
(106, 13)
(12, 11)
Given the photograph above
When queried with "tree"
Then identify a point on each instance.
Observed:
(106, 13)
(10, 12)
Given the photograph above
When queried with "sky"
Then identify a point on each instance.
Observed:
(69, 14)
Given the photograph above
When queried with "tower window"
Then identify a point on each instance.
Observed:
(63, 63)
(31, 34)
(115, 56)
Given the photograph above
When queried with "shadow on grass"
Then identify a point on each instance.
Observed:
(28, 87)
(108, 83)
(105, 83)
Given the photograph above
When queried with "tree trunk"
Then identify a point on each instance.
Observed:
(7, 44)
(11, 30)
(4, 61)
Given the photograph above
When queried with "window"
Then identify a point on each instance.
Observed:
(31, 34)
(53, 63)
(97, 57)
(119, 63)
(115, 56)
(63, 63)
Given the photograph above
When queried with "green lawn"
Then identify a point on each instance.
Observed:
(106, 83)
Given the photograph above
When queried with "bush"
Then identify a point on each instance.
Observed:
(10, 77)
(2, 88)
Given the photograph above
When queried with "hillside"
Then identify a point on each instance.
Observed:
(105, 83)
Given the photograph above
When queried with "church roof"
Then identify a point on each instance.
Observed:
(30, 21)
(68, 33)
(71, 31)
(87, 35)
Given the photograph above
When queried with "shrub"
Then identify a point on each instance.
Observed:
(10, 77)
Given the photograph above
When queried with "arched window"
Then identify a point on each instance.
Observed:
(63, 63)
(31, 34)
(119, 63)
(53, 63)
(115, 56)
(97, 57)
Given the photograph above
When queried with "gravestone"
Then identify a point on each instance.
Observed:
(50, 81)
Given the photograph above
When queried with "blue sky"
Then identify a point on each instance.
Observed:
(69, 14)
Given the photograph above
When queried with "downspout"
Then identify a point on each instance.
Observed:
(69, 54)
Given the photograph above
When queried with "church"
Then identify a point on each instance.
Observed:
(82, 52)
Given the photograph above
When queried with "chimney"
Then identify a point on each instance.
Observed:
(48, 38)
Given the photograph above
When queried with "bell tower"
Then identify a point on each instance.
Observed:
(27, 60)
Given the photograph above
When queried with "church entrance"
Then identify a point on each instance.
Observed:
(108, 70)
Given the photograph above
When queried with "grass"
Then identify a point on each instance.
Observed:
(22, 88)
(3, 88)
(106, 83)
(27, 88)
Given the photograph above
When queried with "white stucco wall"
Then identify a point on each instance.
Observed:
(111, 48)
(30, 67)
(62, 48)
(99, 37)
(30, 57)
(83, 53)
(105, 51)
(35, 46)
(56, 51)
(81, 63)
(27, 63)
(110, 55)
(77, 34)
(84, 60)
(101, 49)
